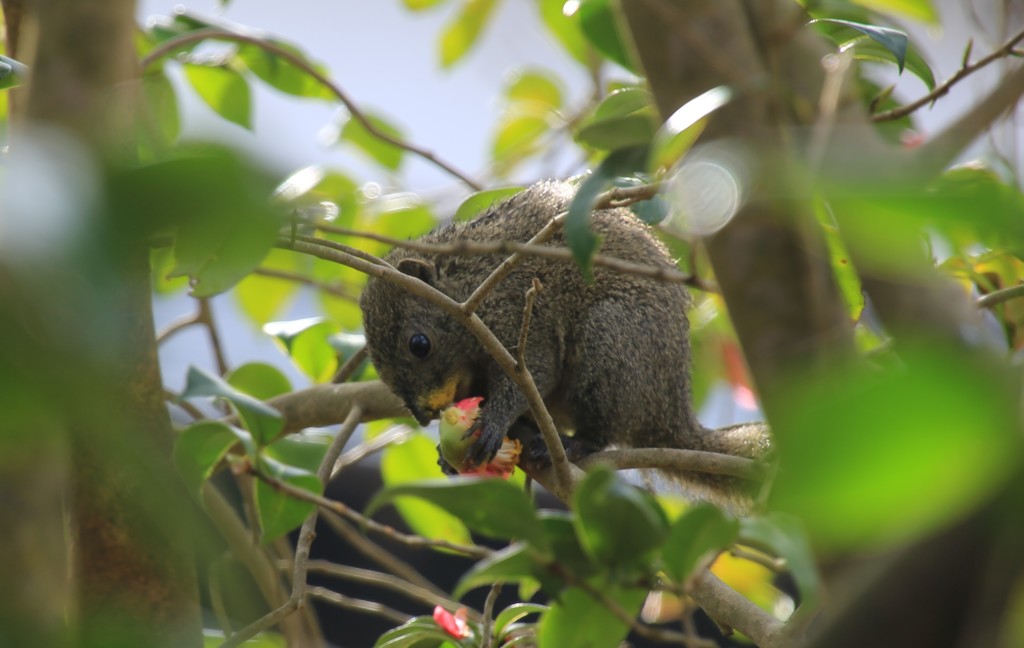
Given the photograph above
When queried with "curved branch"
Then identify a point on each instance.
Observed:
(472, 322)
(220, 34)
(936, 154)
(1005, 50)
(728, 607)
(322, 405)
(675, 460)
(993, 299)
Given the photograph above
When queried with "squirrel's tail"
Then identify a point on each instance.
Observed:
(734, 493)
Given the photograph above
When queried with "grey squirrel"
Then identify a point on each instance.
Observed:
(611, 357)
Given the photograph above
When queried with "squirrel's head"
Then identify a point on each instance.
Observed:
(423, 354)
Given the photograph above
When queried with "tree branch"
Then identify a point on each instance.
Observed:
(675, 460)
(936, 154)
(730, 608)
(302, 64)
(1006, 49)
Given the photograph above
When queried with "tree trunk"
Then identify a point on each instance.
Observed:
(132, 564)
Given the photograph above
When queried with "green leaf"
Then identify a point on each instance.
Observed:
(624, 118)
(846, 275)
(383, 153)
(225, 223)
(313, 353)
(12, 73)
(700, 531)
(224, 90)
(489, 506)
(514, 613)
(420, 5)
(281, 74)
(263, 297)
(160, 119)
(418, 632)
(262, 420)
(512, 564)
(576, 620)
(651, 211)
(908, 449)
(259, 380)
(865, 49)
(161, 262)
(785, 537)
(560, 530)
(265, 639)
(581, 240)
(199, 449)
(479, 202)
(636, 129)
(285, 331)
(922, 10)
(305, 451)
(893, 40)
(622, 102)
(537, 87)
(415, 460)
(675, 137)
(279, 513)
(517, 136)
(461, 34)
(565, 27)
(618, 524)
(600, 25)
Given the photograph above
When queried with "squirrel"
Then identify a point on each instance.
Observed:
(610, 357)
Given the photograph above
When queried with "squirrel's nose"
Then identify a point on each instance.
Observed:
(422, 416)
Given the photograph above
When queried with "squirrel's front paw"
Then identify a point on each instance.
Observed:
(486, 445)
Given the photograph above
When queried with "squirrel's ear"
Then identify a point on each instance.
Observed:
(417, 268)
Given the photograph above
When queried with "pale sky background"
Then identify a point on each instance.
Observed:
(386, 58)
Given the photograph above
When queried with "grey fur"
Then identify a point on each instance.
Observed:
(611, 358)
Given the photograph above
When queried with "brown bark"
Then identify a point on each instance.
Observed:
(770, 260)
(132, 562)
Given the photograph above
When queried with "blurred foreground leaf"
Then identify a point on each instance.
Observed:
(871, 459)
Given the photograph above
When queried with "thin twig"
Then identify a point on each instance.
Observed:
(350, 366)
(327, 470)
(188, 407)
(479, 248)
(997, 297)
(219, 34)
(176, 326)
(252, 555)
(387, 581)
(217, 598)
(205, 317)
(648, 632)
(334, 291)
(307, 533)
(775, 564)
(508, 265)
(524, 330)
(370, 524)
(487, 629)
(377, 553)
(397, 434)
(1004, 50)
(358, 605)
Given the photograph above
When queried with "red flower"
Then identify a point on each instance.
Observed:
(453, 624)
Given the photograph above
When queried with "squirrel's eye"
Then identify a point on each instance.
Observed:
(419, 345)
